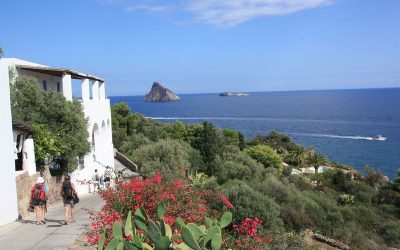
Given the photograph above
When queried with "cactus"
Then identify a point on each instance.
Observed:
(100, 244)
(189, 238)
(163, 243)
(113, 244)
(195, 230)
(128, 230)
(226, 219)
(140, 219)
(154, 231)
(117, 230)
(195, 237)
(161, 210)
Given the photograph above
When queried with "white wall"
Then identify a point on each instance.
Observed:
(98, 111)
(51, 81)
(8, 204)
(28, 154)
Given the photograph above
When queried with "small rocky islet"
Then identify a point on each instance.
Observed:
(158, 93)
(233, 94)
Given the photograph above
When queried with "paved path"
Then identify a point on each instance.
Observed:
(25, 234)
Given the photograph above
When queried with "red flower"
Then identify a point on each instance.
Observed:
(169, 220)
(178, 184)
(225, 200)
(202, 209)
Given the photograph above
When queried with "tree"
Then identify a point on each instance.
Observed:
(242, 141)
(179, 131)
(248, 202)
(61, 125)
(231, 137)
(374, 177)
(298, 155)
(315, 159)
(1, 53)
(236, 164)
(207, 144)
(267, 156)
(166, 156)
(120, 113)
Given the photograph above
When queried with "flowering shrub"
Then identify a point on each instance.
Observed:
(179, 199)
(247, 235)
(346, 199)
(102, 221)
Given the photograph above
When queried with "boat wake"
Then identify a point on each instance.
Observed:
(368, 138)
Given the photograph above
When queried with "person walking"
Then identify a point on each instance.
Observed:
(46, 190)
(107, 177)
(69, 194)
(96, 180)
(38, 199)
(101, 186)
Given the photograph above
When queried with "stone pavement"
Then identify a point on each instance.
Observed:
(25, 234)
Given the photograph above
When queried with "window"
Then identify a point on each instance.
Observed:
(44, 85)
(58, 87)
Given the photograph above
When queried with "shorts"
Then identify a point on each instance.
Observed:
(69, 202)
(36, 202)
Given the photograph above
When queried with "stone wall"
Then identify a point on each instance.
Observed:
(24, 186)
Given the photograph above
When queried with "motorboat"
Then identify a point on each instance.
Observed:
(378, 138)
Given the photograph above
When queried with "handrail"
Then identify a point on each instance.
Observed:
(125, 161)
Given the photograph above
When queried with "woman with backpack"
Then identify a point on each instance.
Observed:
(38, 199)
(69, 194)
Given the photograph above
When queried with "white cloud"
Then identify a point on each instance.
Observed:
(228, 13)
(146, 8)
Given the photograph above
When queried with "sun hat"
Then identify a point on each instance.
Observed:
(39, 180)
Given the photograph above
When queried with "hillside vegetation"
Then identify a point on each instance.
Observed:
(360, 211)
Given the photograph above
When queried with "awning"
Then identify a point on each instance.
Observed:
(59, 72)
(22, 127)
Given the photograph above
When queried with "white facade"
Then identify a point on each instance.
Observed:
(23, 143)
(8, 204)
(96, 108)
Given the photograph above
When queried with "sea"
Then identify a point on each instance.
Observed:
(340, 124)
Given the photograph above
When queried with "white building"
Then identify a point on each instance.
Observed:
(8, 204)
(96, 108)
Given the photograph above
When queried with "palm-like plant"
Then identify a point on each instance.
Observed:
(315, 159)
(299, 155)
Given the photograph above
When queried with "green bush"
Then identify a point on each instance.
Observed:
(165, 156)
(250, 203)
(266, 156)
(235, 164)
(391, 233)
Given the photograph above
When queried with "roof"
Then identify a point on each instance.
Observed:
(21, 126)
(58, 72)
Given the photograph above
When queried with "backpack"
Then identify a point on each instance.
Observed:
(67, 190)
(37, 192)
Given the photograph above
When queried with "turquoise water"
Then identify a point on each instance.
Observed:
(339, 123)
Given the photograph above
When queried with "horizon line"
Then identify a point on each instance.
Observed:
(268, 91)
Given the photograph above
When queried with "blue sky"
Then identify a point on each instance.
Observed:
(200, 46)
